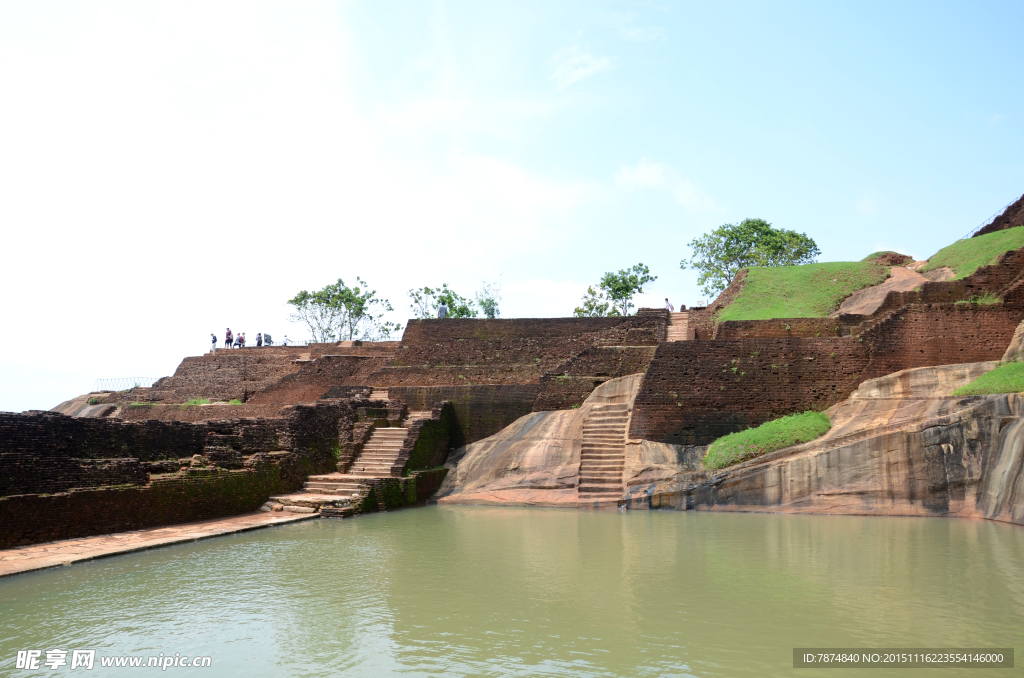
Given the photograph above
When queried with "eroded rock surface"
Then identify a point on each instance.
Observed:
(867, 300)
(901, 445)
(536, 460)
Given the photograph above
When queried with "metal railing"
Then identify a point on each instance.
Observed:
(989, 220)
(123, 383)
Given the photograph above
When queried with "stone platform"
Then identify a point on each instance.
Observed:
(67, 551)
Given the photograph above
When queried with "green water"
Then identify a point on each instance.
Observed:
(534, 592)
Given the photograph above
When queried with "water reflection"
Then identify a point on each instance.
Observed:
(509, 591)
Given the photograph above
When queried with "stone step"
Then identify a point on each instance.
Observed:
(600, 479)
(348, 486)
(598, 491)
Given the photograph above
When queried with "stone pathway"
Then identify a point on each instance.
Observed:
(67, 551)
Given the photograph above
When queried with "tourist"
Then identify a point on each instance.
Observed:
(668, 306)
(241, 340)
(285, 340)
(442, 310)
(213, 342)
(259, 339)
(268, 340)
(238, 340)
(228, 338)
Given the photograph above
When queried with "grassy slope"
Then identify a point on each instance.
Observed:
(808, 291)
(967, 255)
(768, 437)
(875, 255)
(1008, 378)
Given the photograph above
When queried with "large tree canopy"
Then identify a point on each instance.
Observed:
(342, 312)
(615, 292)
(720, 254)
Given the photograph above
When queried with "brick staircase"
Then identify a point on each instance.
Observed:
(603, 454)
(379, 458)
(678, 326)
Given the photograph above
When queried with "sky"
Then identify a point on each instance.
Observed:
(168, 170)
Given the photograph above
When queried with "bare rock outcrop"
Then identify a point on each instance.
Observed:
(536, 460)
(900, 445)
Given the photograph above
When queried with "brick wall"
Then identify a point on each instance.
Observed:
(573, 381)
(480, 411)
(697, 391)
(785, 327)
(107, 475)
(227, 374)
(928, 334)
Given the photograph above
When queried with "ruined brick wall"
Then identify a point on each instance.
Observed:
(108, 475)
(697, 391)
(196, 413)
(314, 379)
(480, 411)
(227, 374)
(920, 335)
(784, 327)
(519, 351)
(702, 320)
(570, 383)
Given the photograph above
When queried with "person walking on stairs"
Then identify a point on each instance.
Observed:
(668, 306)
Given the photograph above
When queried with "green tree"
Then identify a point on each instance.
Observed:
(595, 305)
(488, 299)
(342, 312)
(426, 300)
(720, 254)
(615, 292)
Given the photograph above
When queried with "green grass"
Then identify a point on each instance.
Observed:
(875, 255)
(768, 437)
(1008, 378)
(808, 291)
(198, 401)
(968, 255)
(987, 298)
(234, 401)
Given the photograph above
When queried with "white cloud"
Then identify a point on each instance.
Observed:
(571, 66)
(624, 23)
(647, 174)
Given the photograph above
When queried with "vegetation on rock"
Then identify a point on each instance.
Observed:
(808, 291)
(720, 254)
(1007, 378)
(614, 294)
(968, 255)
(768, 437)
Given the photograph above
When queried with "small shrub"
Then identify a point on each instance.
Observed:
(94, 401)
(198, 401)
(768, 437)
(234, 401)
(987, 298)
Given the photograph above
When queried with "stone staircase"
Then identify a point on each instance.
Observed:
(678, 326)
(379, 458)
(603, 454)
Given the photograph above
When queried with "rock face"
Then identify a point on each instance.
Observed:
(536, 460)
(900, 445)
(869, 299)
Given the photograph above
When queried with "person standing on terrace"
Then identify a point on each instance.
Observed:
(442, 310)
(213, 342)
(668, 306)
(228, 337)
